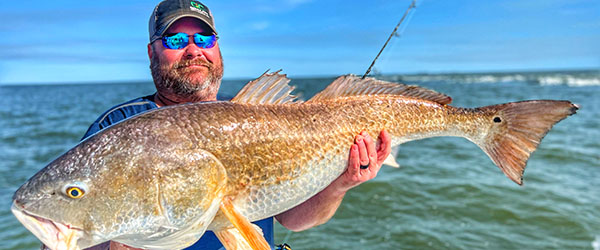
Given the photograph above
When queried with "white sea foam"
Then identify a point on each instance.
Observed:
(596, 243)
(572, 79)
(569, 80)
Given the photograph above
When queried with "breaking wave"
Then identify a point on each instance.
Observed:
(568, 78)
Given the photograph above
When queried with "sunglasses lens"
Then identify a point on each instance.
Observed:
(205, 42)
(176, 41)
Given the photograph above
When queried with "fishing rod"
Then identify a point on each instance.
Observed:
(411, 7)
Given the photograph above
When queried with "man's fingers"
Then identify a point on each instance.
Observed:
(370, 145)
(353, 161)
(385, 147)
(362, 150)
(365, 152)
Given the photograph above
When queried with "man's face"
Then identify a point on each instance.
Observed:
(190, 74)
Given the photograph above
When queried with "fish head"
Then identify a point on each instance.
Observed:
(89, 196)
(54, 204)
(67, 204)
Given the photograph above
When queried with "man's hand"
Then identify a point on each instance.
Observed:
(365, 160)
(321, 207)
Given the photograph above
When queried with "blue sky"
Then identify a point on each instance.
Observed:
(105, 41)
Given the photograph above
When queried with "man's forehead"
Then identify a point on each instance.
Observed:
(189, 23)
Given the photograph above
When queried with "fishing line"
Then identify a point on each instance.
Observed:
(287, 237)
(410, 10)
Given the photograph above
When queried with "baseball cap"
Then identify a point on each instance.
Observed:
(169, 11)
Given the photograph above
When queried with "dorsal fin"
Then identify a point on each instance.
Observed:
(350, 85)
(269, 88)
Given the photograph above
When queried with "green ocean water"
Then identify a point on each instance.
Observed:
(446, 195)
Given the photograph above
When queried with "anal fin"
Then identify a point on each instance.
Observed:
(391, 161)
(253, 237)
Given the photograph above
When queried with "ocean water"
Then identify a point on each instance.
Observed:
(446, 195)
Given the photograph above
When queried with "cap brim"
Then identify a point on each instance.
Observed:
(164, 29)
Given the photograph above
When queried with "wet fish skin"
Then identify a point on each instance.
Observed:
(154, 180)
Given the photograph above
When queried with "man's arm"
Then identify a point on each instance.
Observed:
(321, 207)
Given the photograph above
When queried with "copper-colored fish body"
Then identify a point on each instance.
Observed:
(157, 180)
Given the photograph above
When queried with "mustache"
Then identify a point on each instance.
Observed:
(197, 62)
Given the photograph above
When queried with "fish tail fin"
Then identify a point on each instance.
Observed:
(517, 129)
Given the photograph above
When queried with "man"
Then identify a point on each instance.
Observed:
(186, 65)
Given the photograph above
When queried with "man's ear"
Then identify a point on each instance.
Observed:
(150, 51)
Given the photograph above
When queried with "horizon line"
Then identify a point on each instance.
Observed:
(523, 71)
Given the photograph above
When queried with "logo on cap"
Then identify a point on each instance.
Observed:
(199, 7)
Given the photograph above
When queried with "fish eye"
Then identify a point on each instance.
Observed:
(74, 190)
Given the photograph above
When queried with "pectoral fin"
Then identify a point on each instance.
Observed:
(230, 239)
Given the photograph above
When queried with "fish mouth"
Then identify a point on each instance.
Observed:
(53, 234)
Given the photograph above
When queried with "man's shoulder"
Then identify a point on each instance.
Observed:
(121, 112)
(127, 109)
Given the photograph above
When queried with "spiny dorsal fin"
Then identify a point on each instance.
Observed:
(350, 85)
(269, 88)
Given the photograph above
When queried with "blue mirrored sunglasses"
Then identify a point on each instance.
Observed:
(181, 40)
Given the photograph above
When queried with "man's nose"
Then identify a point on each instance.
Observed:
(193, 51)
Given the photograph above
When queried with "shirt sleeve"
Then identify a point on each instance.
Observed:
(117, 114)
(95, 127)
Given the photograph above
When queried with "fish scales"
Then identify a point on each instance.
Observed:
(269, 150)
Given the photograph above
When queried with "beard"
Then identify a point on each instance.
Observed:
(180, 83)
